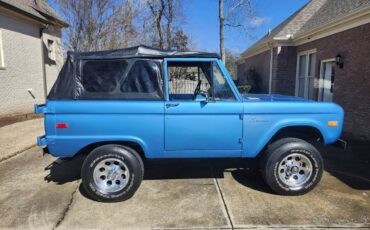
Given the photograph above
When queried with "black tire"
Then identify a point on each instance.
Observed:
(128, 161)
(275, 158)
(271, 148)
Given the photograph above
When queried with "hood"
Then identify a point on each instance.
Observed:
(272, 97)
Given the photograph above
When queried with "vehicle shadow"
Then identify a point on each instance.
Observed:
(351, 166)
(62, 171)
(244, 171)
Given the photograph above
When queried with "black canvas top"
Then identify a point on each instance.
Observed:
(127, 74)
(140, 51)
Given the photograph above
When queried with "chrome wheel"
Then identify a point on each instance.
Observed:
(295, 170)
(111, 175)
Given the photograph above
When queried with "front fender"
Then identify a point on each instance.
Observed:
(258, 130)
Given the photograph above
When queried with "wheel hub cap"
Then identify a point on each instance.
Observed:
(111, 175)
(295, 170)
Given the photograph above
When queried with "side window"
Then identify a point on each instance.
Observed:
(221, 88)
(144, 77)
(196, 80)
(102, 76)
(185, 77)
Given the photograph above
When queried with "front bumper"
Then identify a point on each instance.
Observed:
(341, 144)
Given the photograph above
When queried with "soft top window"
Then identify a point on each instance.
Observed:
(143, 77)
(102, 75)
(125, 79)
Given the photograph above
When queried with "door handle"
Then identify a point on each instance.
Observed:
(171, 105)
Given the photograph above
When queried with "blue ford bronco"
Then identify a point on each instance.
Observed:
(125, 106)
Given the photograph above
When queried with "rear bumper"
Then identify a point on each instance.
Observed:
(40, 109)
(41, 141)
(44, 141)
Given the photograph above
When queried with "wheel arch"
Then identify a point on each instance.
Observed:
(304, 130)
(137, 146)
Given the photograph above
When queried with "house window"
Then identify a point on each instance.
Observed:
(326, 81)
(306, 74)
(51, 49)
(2, 64)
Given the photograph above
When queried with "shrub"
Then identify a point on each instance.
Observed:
(244, 88)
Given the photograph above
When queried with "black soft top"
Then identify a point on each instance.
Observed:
(140, 51)
(127, 74)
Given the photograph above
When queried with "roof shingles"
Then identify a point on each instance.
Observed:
(312, 15)
(39, 9)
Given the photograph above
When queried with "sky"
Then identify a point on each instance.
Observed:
(202, 23)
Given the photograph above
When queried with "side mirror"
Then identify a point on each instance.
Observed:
(207, 98)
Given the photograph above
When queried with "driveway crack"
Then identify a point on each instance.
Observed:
(221, 195)
(65, 211)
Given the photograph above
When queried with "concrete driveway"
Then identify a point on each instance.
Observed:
(37, 192)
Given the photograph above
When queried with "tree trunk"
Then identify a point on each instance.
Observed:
(169, 24)
(159, 29)
(159, 25)
(127, 23)
(157, 12)
(222, 38)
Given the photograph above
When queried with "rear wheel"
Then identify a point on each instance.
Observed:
(292, 166)
(112, 173)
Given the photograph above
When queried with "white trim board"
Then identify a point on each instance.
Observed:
(2, 61)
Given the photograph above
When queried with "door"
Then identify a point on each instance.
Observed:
(326, 85)
(202, 113)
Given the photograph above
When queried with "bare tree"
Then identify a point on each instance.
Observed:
(124, 31)
(169, 15)
(88, 20)
(180, 41)
(126, 18)
(112, 24)
(230, 62)
(234, 14)
(157, 8)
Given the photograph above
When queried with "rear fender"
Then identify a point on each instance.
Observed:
(69, 146)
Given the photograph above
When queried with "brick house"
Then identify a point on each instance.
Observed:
(321, 52)
(30, 54)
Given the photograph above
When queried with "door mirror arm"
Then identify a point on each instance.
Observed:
(207, 98)
(210, 100)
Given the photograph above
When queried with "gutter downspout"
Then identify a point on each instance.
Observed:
(271, 61)
(43, 60)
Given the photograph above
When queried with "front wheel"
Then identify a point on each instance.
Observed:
(112, 173)
(292, 166)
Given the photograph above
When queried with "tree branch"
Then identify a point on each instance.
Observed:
(237, 5)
